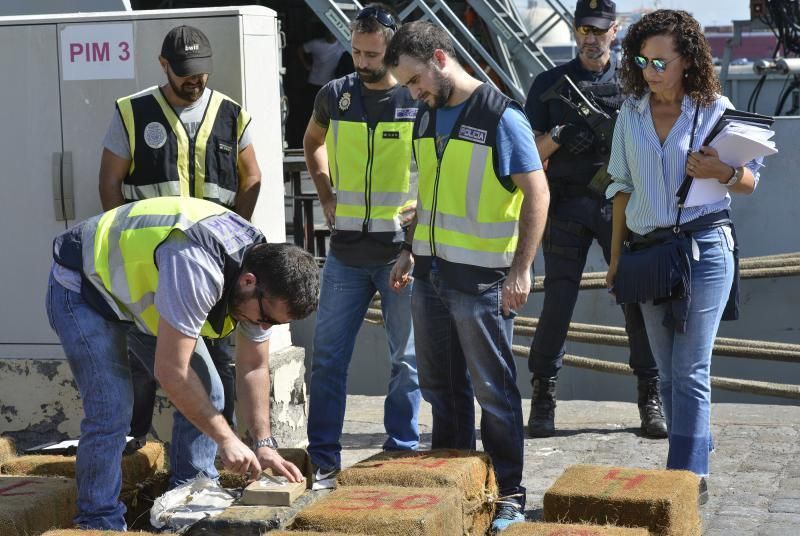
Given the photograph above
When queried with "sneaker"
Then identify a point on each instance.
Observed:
(507, 514)
(325, 479)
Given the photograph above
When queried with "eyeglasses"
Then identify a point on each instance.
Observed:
(658, 64)
(265, 318)
(379, 14)
(586, 30)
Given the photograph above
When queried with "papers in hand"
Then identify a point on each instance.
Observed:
(739, 138)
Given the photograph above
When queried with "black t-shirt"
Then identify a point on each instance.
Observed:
(353, 247)
(543, 116)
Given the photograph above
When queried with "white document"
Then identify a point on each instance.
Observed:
(737, 144)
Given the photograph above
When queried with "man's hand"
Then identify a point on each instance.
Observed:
(407, 214)
(270, 459)
(237, 457)
(329, 209)
(515, 290)
(400, 276)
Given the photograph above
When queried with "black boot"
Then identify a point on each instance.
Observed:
(653, 423)
(543, 405)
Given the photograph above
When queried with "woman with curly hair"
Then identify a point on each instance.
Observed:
(674, 103)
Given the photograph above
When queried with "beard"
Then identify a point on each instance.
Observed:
(444, 89)
(594, 52)
(188, 91)
(238, 297)
(372, 76)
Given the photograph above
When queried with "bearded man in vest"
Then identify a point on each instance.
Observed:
(358, 141)
(180, 139)
(151, 277)
(481, 210)
(579, 215)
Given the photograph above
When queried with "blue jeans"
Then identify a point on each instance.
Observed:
(96, 350)
(573, 224)
(345, 296)
(684, 359)
(464, 350)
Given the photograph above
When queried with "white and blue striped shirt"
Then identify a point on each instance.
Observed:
(652, 173)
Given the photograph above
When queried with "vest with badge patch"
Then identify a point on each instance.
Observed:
(467, 214)
(166, 161)
(115, 255)
(369, 166)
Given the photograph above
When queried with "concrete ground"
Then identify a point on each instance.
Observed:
(754, 485)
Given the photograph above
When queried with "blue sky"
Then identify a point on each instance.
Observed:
(706, 11)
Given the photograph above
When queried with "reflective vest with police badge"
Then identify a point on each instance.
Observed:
(115, 254)
(369, 167)
(166, 161)
(466, 214)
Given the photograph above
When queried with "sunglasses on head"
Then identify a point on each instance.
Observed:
(658, 64)
(379, 14)
(586, 30)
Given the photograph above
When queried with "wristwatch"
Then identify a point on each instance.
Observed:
(738, 173)
(555, 133)
(266, 442)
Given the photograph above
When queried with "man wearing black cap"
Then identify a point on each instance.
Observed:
(578, 215)
(180, 139)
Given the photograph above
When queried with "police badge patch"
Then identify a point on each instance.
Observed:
(345, 101)
(155, 135)
(593, 4)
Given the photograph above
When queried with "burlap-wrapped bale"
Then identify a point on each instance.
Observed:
(7, 449)
(33, 504)
(299, 457)
(470, 473)
(306, 533)
(81, 532)
(136, 467)
(557, 529)
(664, 502)
(384, 510)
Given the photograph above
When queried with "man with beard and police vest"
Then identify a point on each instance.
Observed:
(578, 215)
(481, 210)
(150, 277)
(358, 142)
(180, 139)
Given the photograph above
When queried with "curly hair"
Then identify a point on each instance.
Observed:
(701, 83)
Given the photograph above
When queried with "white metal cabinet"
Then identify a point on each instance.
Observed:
(31, 138)
(45, 114)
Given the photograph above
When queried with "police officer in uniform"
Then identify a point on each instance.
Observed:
(180, 139)
(579, 215)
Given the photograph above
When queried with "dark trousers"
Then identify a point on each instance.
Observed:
(572, 226)
(144, 386)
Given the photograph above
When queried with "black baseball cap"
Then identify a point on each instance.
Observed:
(187, 50)
(598, 13)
